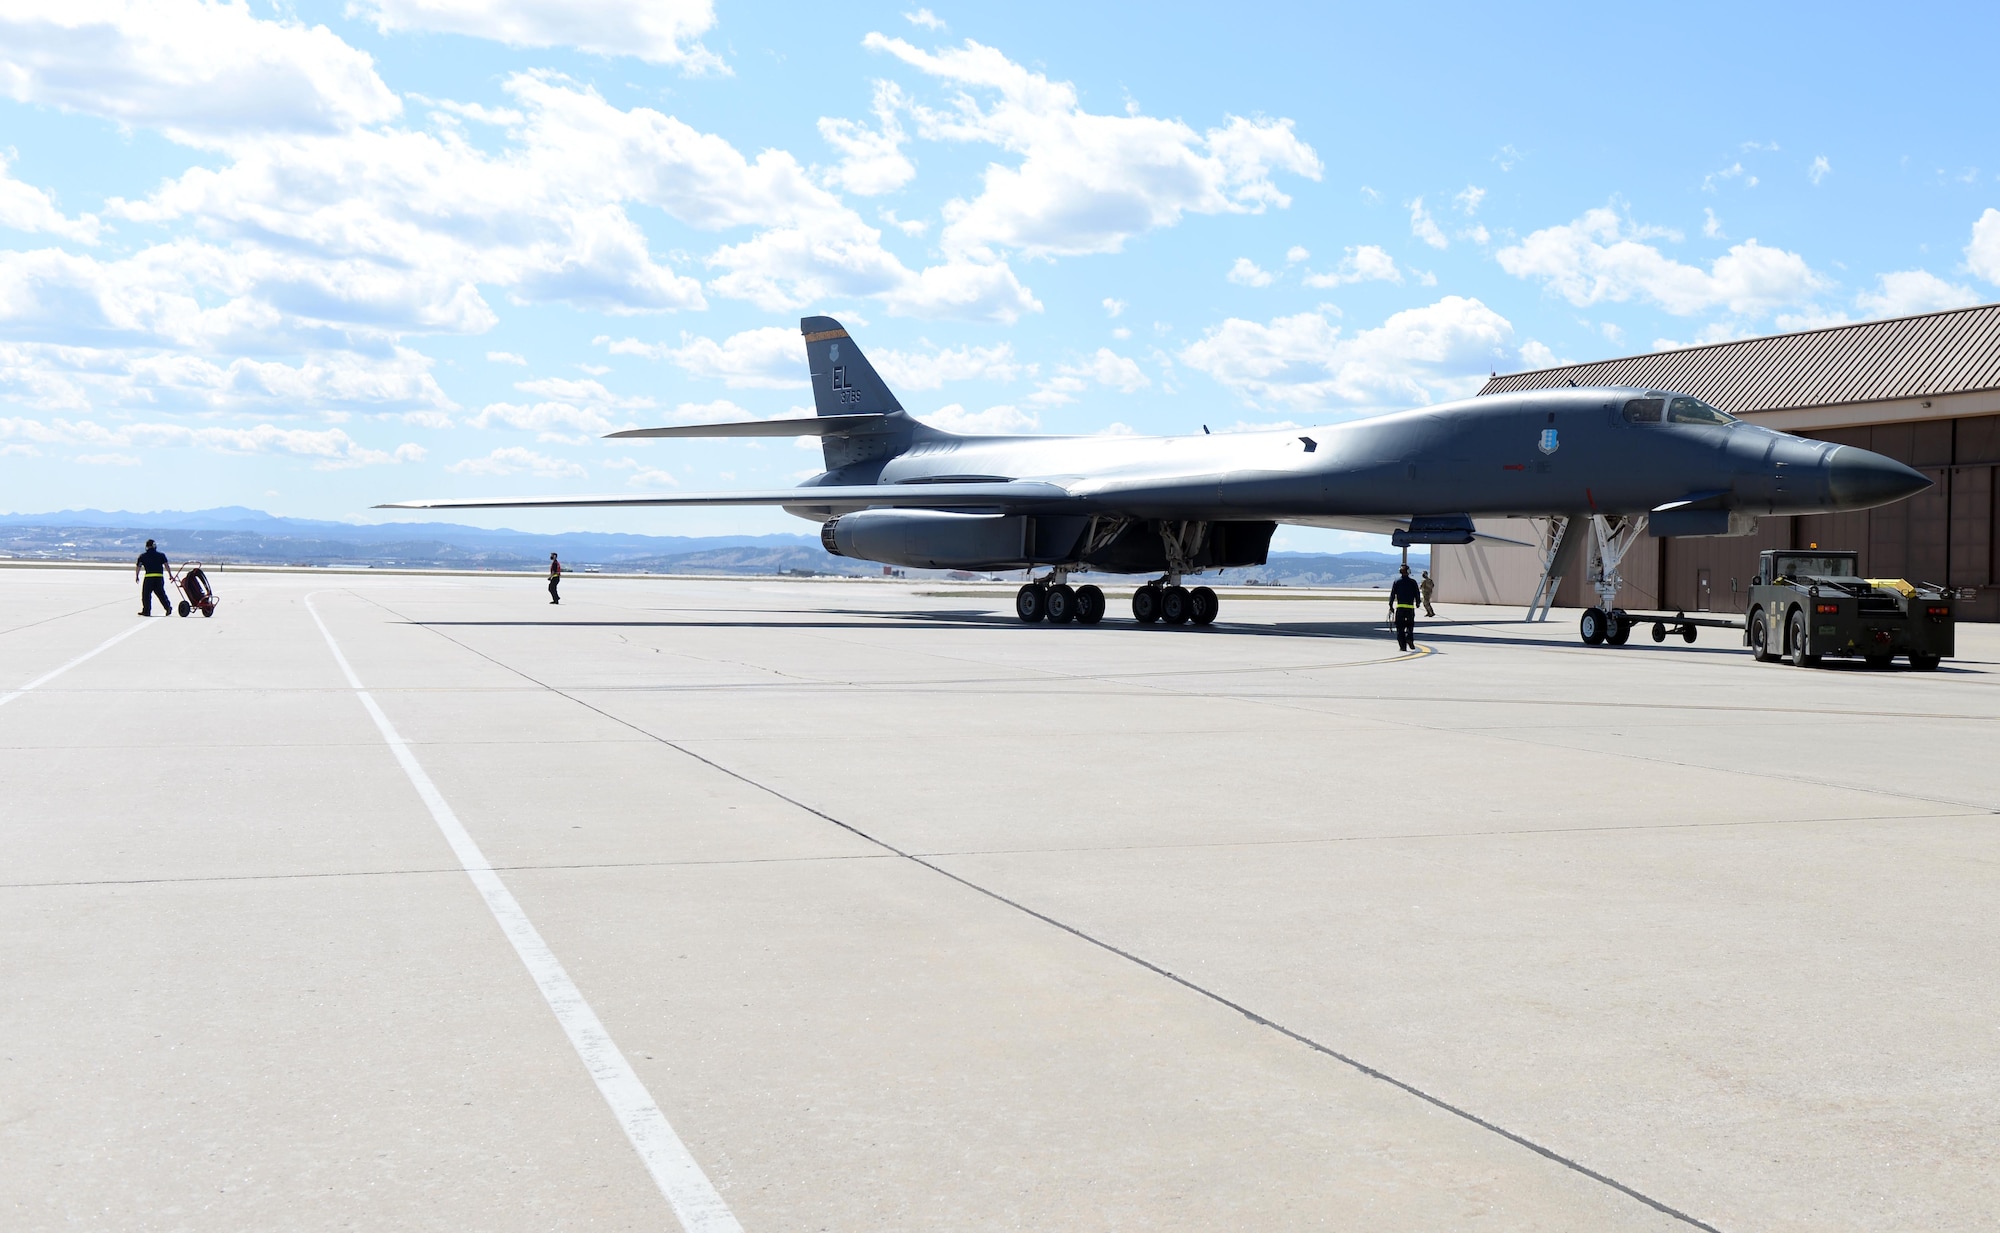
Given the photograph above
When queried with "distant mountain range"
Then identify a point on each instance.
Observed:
(233, 533)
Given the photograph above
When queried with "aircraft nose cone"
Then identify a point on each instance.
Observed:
(1861, 479)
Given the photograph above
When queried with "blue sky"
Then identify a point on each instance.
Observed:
(309, 257)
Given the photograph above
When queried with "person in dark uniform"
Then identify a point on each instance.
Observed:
(150, 571)
(555, 578)
(1403, 596)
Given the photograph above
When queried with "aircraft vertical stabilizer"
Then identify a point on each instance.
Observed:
(845, 383)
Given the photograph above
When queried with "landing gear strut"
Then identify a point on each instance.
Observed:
(1163, 600)
(1610, 539)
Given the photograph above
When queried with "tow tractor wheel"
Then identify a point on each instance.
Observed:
(1620, 627)
(1061, 604)
(1206, 605)
(186, 607)
(1146, 604)
(1030, 603)
(1089, 605)
(1925, 663)
(1795, 640)
(1760, 639)
(1592, 627)
(1175, 606)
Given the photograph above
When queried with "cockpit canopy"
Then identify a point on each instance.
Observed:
(1673, 409)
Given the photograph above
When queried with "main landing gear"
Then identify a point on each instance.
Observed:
(1174, 605)
(1059, 603)
(1155, 603)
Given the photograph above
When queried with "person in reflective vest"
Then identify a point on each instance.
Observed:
(1403, 597)
(150, 571)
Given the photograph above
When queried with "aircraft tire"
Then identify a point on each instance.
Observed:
(1061, 604)
(1089, 605)
(1206, 605)
(1146, 604)
(1030, 604)
(1591, 627)
(1619, 628)
(1175, 606)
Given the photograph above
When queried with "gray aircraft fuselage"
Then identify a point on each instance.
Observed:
(899, 491)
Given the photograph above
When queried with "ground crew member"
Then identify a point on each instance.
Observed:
(150, 571)
(1429, 588)
(555, 577)
(1403, 596)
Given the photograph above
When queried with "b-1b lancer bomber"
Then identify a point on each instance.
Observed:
(1624, 461)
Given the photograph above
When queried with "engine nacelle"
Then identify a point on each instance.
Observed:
(942, 539)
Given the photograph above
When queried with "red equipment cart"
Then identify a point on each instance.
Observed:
(195, 589)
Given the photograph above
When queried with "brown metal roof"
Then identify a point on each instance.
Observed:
(1951, 352)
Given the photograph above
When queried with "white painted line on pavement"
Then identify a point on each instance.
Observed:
(99, 649)
(686, 1187)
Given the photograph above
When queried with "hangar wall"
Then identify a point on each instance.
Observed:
(1941, 415)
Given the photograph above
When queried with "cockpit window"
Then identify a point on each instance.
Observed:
(1645, 410)
(1685, 410)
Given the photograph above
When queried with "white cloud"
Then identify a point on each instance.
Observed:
(1732, 172)
(1000, 419)
(1361, 264)
(1819, 170)
(927, 370)
(55, 377)
(1121, 333)
(1600, 258)
(908, 226)
(108, 460)
(925, 18)
(1301, 361)
(1246, 273)
(512, 459)
(1105, 367)
(1538, 355)
(1112, 308)
(1468, 200)
(872, 160)
(200, 72)
(568, 409)
(771, 358)
(506, 357)
(1424, 227)
(660, 31)
(328, 449)
(1982, 255)
(1907, 292)
(1086, 182)
(643, 476)
(1711, 226)
(1297, 253)
(24, 207)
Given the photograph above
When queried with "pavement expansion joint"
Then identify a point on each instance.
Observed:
(1211, 995)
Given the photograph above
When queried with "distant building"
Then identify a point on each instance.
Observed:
(1924, 390)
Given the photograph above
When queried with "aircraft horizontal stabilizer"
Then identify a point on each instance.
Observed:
(805, 426)
(1009, 496)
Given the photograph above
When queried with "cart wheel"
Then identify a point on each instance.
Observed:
(208, 611)
(1687, 633)
(186, 607)
(1659, 632)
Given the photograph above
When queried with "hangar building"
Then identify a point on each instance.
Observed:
(1923, 390)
